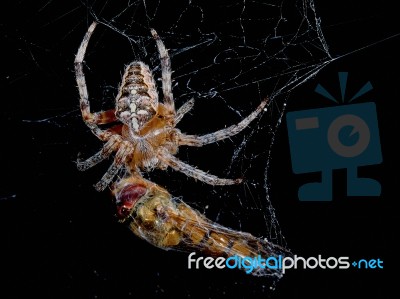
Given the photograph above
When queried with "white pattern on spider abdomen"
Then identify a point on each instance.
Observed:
(137, 99)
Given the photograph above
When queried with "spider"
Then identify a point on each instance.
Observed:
(145, 136)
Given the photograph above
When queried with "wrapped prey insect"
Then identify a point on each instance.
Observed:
(154, 215)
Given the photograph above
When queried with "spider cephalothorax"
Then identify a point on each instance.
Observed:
(145, 135)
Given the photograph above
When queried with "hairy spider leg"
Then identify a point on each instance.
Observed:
(165, 71)
(125, 150)
(109, 147)
(193, 172)
(91, 119)
(194, 140)
(185, 108)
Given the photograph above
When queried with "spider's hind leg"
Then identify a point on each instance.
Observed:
(193, 172)
(194, 140)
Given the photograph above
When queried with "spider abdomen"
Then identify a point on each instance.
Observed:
(137, 99)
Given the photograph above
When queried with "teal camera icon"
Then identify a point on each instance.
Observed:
(323, 139)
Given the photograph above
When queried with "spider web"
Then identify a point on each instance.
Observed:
(228, 56)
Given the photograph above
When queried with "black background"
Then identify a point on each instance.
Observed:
(59, 237)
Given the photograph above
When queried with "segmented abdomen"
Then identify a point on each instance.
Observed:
(137, 99)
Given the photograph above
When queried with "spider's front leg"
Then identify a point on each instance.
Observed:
(92, 120)
(165, 71)
(185, 108)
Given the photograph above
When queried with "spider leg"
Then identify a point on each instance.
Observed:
(88, 117)
(185, 108)
(165, 70)
(104, 117)
(193, 172)
(122, 154)
(110, 146)
(194, 140)
(117, 129)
